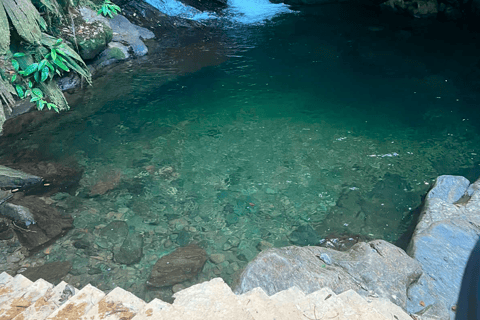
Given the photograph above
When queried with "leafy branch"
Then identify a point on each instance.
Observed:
(109, 9)
(57, 59)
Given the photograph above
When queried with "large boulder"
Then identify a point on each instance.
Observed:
(182, 264)
(373, 268)
(48, 223)
(442, 242)
(91, 33)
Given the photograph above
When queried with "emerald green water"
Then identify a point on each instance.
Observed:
(320, 123)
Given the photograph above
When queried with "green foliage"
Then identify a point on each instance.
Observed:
(109, 9)
(58, 58)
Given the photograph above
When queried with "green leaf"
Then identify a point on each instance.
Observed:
(50, 66)
(58, 42)
(28, 93)
(20, 91)
(42, 24)
(59, 63)
(36, 76)
(14, 77)
(34, 99)
(19, 54)
(15, 64)
(60, 52)
(30, 84)
(31, 69)
(37, 92)
(52, 106)
(54, 54)
(42, 64)
(44, 74)
(41, 104)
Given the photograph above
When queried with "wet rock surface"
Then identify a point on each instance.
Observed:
(11, 178)
(182, 264)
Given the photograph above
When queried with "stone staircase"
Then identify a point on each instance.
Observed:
(22, 299)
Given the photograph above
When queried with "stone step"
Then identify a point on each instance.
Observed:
(262, 307)
(13, 289)
(11, 308)
(153, 310)
(4, 278)
(118, 304)
(48, 303)
(212, 300)
(77, 306)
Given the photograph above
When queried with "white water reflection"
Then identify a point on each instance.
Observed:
(243, 11)
(255, 11)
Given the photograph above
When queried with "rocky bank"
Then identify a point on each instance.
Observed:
(425, 280)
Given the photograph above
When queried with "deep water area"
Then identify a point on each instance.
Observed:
(326, 121)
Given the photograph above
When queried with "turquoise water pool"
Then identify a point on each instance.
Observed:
(317, 123)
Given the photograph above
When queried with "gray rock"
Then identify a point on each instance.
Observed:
(115, 52)
(449, 188)
(126, 32)
(442, 242)
(131, 250)
(374, 267)
(10, 178)
(17, 213)
(182, 264)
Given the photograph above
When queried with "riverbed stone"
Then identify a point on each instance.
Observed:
(115, 232)
(445, 235)
(11, 178)
(217, 258)
(376, 267)
(52, 272)
(131, 250)
(182, 264)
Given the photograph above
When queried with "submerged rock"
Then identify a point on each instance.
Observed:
(182, 264)
(52, 272)
(131, 250)
(115, 232)
(376, 267)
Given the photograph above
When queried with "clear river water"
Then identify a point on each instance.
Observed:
(276, 130)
